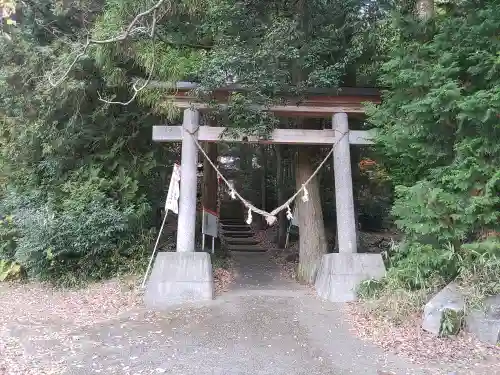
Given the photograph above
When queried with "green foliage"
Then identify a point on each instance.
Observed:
(79, 178)
(9, 235)
(479, 270)
(440, 134)
(451, 322)
(414, 265)
(76, 240)
(8, 239)
(9, 270)
(388, 300)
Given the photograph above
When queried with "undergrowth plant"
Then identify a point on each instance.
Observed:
(9, 268)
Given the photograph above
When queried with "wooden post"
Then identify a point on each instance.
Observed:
(186, 227)
(280, 178)
(209, 189)
(263, 178)
(346, 224)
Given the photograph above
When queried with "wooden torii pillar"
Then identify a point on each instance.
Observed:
(186, 274)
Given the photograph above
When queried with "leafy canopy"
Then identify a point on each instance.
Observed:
(265, 46)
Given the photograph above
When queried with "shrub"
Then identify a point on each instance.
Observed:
(75, 241)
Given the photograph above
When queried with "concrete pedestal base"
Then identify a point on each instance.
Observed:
(179, 277)
(340, 274)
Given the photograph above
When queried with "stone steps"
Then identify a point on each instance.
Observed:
(246, 248)
(235, 226)
(242, 241)
(238, 236)
(231, 229)
(232, 221)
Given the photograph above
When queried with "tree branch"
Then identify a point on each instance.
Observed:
(187, 45)
(130, 29)
(135, 86)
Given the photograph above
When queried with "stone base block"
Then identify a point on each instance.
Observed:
(449, 298)
(179, 277)
(340, 274)
(485, 324)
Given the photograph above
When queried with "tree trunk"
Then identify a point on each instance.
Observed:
(424, 9)
(312, 240)
(282, 222)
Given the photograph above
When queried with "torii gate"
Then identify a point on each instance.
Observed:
(186, 275)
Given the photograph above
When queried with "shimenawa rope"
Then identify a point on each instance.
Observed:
(270, 216)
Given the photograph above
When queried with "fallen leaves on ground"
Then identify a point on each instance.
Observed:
(409, 340)
(35, 307)
(222, 279)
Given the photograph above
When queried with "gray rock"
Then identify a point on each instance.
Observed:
(485, 324)
(449, 298)
(179, 277)
(340, 274)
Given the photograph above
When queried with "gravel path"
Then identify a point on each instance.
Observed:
(265, 324)
(247, 331)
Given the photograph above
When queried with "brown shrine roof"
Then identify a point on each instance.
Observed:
(313, 102)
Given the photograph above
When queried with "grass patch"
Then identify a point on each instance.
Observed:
(392, 304)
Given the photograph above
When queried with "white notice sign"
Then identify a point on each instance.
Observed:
(172, 202)
(210, 223)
